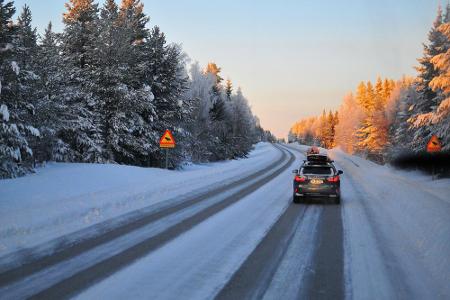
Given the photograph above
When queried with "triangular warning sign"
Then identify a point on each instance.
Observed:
(434, 145)
(167, 140)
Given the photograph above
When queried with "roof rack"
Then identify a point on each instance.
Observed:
(320, 158)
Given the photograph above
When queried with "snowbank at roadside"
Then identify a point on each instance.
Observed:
(62, 198)
(397, 230)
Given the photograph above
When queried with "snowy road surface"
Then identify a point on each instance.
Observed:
(226, 231)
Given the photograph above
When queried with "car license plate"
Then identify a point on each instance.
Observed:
(316, 181)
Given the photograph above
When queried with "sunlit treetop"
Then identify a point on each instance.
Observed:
(80, 10)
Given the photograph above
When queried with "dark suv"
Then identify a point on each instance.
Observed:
(317, 177)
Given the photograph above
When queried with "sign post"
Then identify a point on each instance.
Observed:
(433, 146)
(166, 142)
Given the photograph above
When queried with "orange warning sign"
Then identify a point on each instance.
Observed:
(167, 140)
(434, 145)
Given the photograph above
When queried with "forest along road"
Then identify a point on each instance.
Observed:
(78, 266)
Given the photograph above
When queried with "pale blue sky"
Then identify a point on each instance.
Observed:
(292, 58)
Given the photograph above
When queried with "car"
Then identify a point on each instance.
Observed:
(313, 150)
(317, 179)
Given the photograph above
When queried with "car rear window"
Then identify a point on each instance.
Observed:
(317, 171)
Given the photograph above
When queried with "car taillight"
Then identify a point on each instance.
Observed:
(333, 179)
(300, 178)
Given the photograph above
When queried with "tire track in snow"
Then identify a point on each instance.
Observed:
(88, 276)
(276, 269)
(89, 238)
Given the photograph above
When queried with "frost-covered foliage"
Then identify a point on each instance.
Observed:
(221, 124)
(320, 131)
(431, 114)
(387, 118)
(106, 88)
(347, 127)
(17, 82)
(364, 123)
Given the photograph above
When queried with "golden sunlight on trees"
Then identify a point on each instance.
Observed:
(388, 118)
(316, 130)
(76, 10)
(362, 123)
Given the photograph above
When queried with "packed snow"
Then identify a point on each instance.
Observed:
(61, 198)
(396, 228)
(4, 112)
(200, 262)
(395, 223)
(15, 67)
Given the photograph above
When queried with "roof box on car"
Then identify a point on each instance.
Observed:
(318, 158)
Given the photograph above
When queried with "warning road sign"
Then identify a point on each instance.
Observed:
(434, 145)
(167, 140)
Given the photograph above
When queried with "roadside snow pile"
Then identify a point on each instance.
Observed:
(395, 222)
(62, 198)
(396, 230)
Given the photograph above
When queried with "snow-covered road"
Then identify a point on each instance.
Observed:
(389, 239)
(397, 232)
(62, 198)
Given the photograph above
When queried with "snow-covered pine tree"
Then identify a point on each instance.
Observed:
(429, 97)
(80, 31)
(81, 128)
(15, 110)
(402, 100)
(228, 89)
(331, 130)
(243, 135)
(50, 105)
(26, 41)
(388, 86)
(198, 124)
(219, 115)
(109, 68)
(26, 38)
(372, 133)
(323, 129)
(132, 17)
(166, 75)
(426, 70)
(351, 116)
(438, 119)
(218, 109)
(380, 92)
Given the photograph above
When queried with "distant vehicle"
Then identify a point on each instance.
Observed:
(313, 150)
(317, 177)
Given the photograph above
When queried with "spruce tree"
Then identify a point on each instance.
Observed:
(228, 89)
(431, 93)
(167, 77)
(82, 122)
(15, 110)
(426, 70)
(51, 106)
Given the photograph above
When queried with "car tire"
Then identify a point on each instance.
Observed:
(298, 199)
(337, 200)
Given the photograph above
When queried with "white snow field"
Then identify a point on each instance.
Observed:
(62, 198)
(396, 231)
